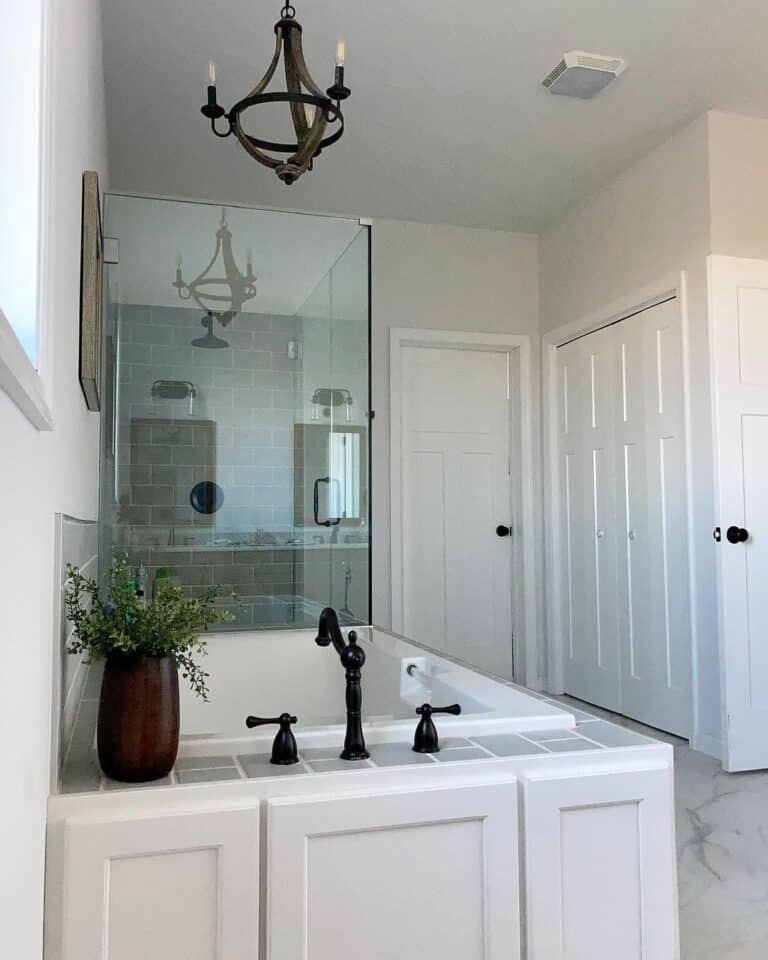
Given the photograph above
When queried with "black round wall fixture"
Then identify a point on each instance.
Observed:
(206, 496)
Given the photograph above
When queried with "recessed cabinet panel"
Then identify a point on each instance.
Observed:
(432, 874)
(600, 866)
(174, 892)
(181, 887)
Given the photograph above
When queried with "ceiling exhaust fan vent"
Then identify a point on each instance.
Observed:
(582, 75)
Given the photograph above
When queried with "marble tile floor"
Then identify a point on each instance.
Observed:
(722, 852)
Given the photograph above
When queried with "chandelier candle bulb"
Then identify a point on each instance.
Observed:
(211, 73)
(341, 50)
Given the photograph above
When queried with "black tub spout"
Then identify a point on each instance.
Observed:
(352, 659)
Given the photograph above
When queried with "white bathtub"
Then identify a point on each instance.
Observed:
(266, 673)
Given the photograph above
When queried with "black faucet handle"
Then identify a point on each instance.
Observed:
(427, 708)
(425, 739)
(284, 749)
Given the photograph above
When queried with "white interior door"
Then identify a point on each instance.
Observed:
(738, 316)
(623, 519)
(455, 491)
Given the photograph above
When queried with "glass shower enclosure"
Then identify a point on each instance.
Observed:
(236, 440)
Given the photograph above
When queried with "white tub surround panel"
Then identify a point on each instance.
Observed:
(600, 864)
(180, 887)
(376, 860)
(427, 875)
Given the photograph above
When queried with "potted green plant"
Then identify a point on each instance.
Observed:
(144, 644)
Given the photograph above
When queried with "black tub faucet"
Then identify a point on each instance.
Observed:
(352, 659)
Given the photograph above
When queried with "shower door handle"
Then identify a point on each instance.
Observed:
(316, 502)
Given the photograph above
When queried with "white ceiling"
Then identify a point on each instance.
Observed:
(448, 121)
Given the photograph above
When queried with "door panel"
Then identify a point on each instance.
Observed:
(424, 609)
(738, 311)
(589, 535)
(457, 573)
(653, 558)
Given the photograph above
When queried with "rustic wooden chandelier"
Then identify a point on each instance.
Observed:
(312, 111)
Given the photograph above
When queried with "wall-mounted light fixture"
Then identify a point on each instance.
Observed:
(327, 397)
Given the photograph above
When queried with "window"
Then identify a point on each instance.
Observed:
(21, 72)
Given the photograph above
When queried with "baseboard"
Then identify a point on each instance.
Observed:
(711, 746)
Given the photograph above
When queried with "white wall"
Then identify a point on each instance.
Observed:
(650, 222)
(44, 473)
(446, 278)
(738, 161)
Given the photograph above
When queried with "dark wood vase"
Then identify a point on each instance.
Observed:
(138, 729)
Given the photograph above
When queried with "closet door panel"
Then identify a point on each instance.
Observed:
(666, 699)
(587, 479)
(634, 593)
(653, 567)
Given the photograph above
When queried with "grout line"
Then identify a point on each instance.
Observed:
(238, 767)
(600, 746)
(484, 749)
(562, 739)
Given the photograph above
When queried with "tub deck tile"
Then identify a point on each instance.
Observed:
(258, 765)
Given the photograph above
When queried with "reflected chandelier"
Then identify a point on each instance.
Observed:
(204, 289)
(312, 111)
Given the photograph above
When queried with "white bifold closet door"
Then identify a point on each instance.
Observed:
(624, 559)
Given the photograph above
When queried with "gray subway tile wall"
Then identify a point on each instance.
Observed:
(235, 430)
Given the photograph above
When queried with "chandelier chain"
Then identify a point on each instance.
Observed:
(288, 12)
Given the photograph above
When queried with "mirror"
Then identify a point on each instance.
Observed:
(330, 475)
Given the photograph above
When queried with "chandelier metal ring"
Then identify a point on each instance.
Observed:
(332, 114)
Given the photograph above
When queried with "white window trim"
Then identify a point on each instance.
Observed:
(20, 380)
(18, 376)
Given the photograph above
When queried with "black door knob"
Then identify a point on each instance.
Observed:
(736, 535)
(502, 531)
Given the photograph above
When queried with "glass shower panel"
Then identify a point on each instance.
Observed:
(332, 439)
(205, 476)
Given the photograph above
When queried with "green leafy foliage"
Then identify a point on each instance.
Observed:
(119, 622)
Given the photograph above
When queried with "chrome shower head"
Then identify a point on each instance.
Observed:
(210, 341)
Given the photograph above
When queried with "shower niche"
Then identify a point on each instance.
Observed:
(236, 440)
